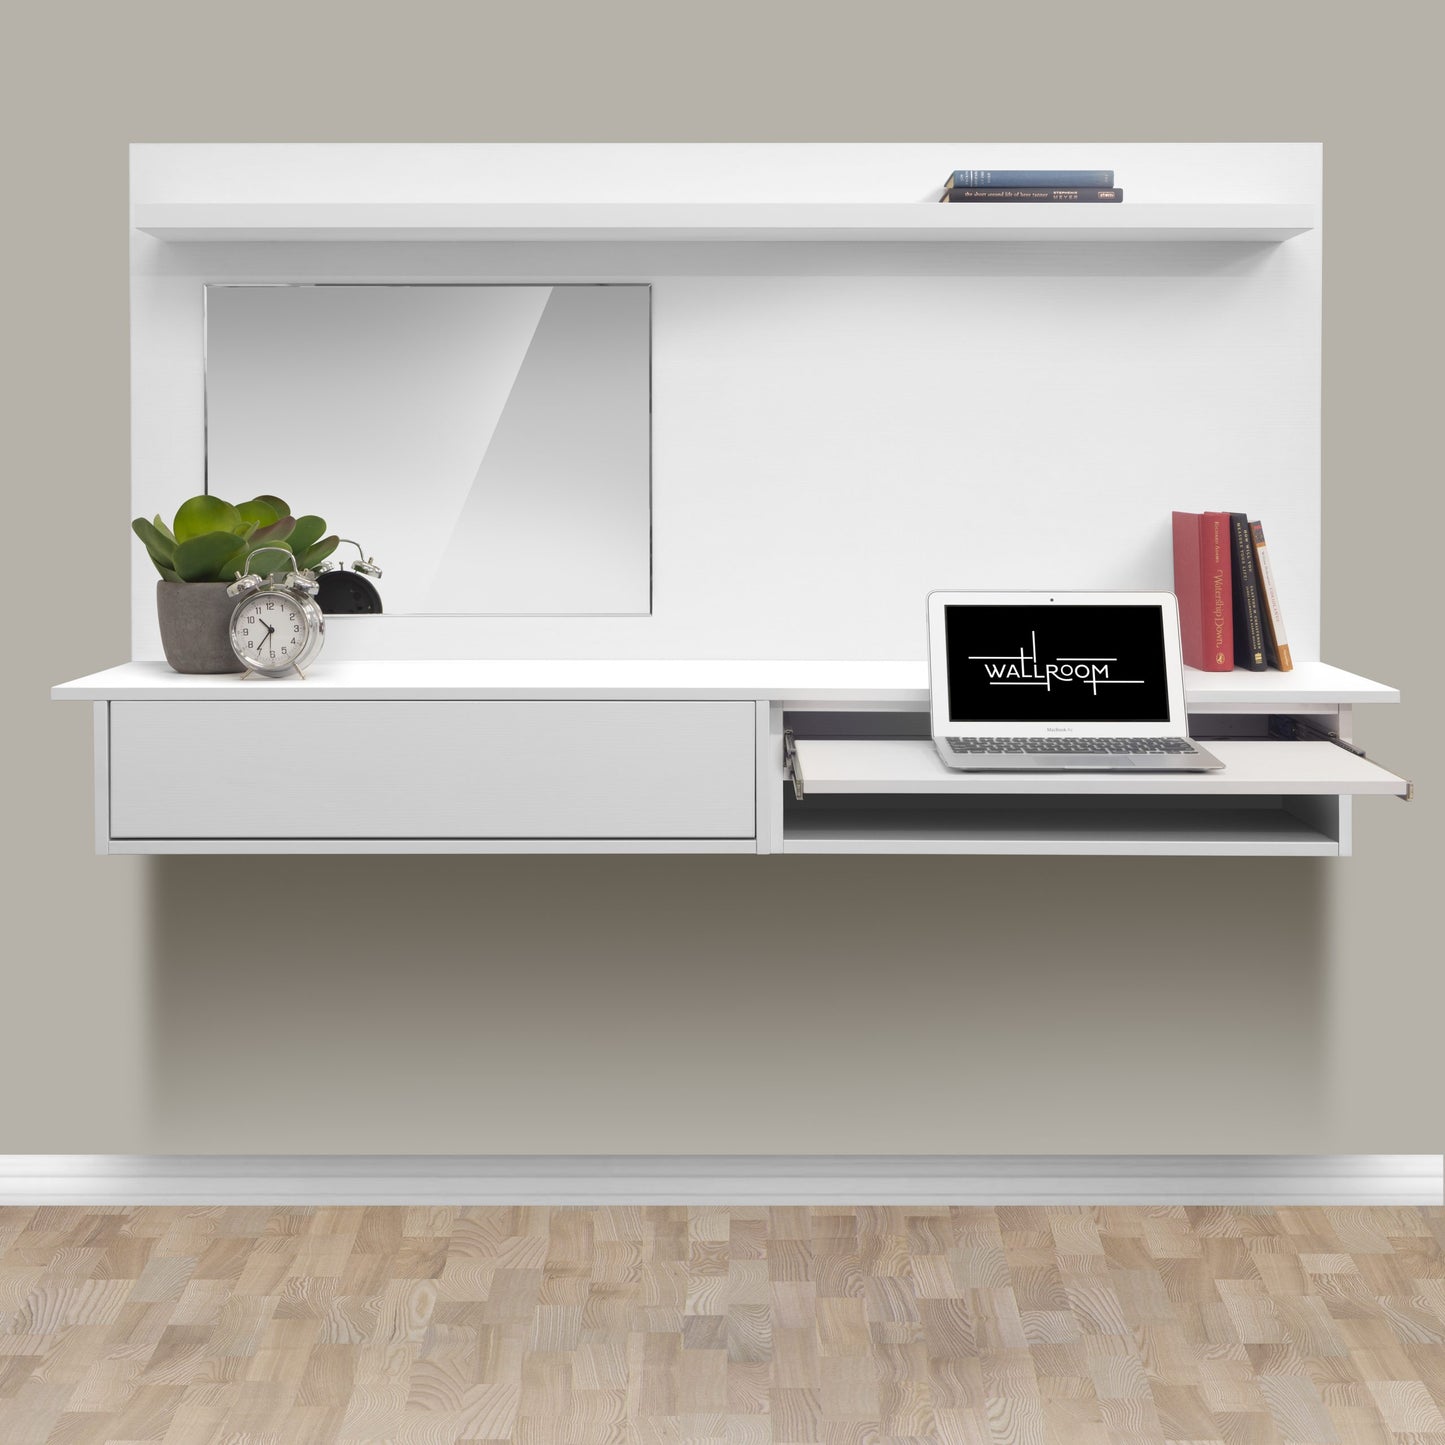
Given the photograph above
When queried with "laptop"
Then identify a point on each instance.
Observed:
(1024, 681)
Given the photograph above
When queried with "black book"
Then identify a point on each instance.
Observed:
(1249, 633)
(977, 195)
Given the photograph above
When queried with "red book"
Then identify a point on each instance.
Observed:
(1202, 583)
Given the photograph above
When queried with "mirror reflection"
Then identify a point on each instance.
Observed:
(489, 446)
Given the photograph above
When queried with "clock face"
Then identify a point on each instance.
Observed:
(269, 631)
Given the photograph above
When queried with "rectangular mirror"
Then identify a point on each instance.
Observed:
(489, 445)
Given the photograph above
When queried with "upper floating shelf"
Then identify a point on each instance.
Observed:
(723, 221)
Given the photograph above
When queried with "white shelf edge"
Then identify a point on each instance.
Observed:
(792, 683)
(150, 847)
(192, 222)
(1314, 682)
(1066, 848)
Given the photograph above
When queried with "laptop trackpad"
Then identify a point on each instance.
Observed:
(1115, 762)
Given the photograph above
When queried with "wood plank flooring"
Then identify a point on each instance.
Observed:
(731, 1326)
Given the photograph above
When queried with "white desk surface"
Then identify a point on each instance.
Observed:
(782, 681)
(1252, 766)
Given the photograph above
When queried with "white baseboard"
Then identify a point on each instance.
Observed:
(1265, 1179)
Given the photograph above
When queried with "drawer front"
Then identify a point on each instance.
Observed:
(323, 769)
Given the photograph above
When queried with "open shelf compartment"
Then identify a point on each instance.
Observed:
(893, 794)
(1144, 826)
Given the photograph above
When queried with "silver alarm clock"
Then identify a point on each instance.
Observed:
(276, 624)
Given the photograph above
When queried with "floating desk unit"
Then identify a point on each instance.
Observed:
(852, 404)
(722, 757)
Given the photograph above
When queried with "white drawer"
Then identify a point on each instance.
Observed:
(324, 769)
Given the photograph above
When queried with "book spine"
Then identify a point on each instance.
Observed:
(1202, 585)
(1249, 649)
(1273, 617)
(1030, 178)
(1085, 194)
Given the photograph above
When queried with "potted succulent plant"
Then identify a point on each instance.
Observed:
(199, 555)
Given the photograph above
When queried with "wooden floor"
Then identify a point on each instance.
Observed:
(742, 1326)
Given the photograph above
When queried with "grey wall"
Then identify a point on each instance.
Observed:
(732, 1004)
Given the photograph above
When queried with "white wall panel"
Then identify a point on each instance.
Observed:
(837, 428)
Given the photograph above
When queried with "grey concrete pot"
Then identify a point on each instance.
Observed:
(195, 620)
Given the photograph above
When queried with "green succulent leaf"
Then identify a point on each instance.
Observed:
(307, 532)
(161, 548)
(261, 512)
(205, 515)
(211, 540)
(203, 558)
(279, 531)
(320, 552)
(232, 567)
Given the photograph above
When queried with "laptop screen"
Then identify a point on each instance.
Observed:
(1070, 663)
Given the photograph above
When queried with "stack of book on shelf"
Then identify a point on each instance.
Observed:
(1025, 186)
(1229, 612)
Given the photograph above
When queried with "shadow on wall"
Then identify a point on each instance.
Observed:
(476, 1005)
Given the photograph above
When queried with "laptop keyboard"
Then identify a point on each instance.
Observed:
(1072, 746)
